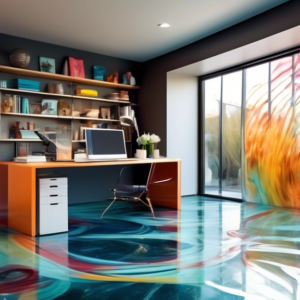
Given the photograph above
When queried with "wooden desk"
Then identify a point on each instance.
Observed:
(18, 187)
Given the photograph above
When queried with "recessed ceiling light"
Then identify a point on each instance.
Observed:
(163, 25)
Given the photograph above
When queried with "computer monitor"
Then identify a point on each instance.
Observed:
(105, 143)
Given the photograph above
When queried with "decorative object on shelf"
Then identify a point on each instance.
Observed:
(16, 128)
(66, 68)
(11, 133)
(64, 108)
(125, 81)
(124, 95)
(24, 105)
(128, 79)
(99, 72)
(113, 78)
(35, 108)
(7, 104)
(105, 112)
(19, 58)
(76, 67)
(3, 83)
(116, 77)
(47, 64)
(49, 107)
(30, 126)
(55, 88)
(113, 96)
(132, 81)
(148, 142)
(85, 92)
(128, 76)
(90, 113)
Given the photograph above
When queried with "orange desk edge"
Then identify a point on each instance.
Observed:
(18, 196)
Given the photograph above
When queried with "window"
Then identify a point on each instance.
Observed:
(251, 132)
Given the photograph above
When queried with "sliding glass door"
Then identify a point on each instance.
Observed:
(222, 135)
(251, 127)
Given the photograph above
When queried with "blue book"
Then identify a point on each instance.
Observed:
(25, 106)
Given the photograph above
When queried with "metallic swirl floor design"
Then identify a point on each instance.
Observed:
(210, 250)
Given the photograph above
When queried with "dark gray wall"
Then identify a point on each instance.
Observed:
(152, 96)
(59, 53)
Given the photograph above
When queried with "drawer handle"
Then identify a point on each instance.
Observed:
(54, 195)
(53, 186)
(53, 203)
(53, 179)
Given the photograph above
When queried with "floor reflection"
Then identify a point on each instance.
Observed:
(209, 250)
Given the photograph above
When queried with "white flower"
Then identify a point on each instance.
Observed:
(148, 139)
(143, 139)
(154, 138)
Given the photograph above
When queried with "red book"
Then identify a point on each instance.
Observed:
(76, 67)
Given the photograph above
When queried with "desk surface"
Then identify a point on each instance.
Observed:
(88, 164)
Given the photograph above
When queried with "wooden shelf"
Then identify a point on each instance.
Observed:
(21, 140)
(58, 117)
(67, 96)
(104, 100)
(35, 93)
(95, 119)
(38, 116)
(78, 141)
(59, 77)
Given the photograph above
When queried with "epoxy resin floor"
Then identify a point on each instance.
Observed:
(210, 250)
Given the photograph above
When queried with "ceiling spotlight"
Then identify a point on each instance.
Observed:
(163, 25)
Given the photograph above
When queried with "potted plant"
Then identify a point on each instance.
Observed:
(148, 142)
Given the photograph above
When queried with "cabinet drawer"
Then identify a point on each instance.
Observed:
(54, 199)
(53, 180)
(53, 218)
(53, 185)
(53, 192)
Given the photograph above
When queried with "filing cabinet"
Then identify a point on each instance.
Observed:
(52, 204)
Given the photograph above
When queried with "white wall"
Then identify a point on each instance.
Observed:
(182, 127)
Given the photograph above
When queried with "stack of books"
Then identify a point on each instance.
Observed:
(31, 159)
(25, 84)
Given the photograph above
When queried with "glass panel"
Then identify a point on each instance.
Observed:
(212, 134)
(255, 128)
(297, 97)
(231, 135)
(281, 87)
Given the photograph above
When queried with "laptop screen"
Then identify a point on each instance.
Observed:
(105, 143)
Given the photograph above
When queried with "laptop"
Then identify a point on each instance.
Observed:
(104, 145)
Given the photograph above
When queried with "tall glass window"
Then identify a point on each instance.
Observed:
(251, 119)
(212, 92)
(231, 135)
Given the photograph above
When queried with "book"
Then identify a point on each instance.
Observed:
(29, 134)
(25, 106)
(30, 158)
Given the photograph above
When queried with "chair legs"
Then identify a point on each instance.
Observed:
(115, 198)
(150, 205)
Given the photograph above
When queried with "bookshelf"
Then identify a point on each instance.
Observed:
(76, 116)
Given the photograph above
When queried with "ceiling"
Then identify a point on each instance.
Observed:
(125, 28)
